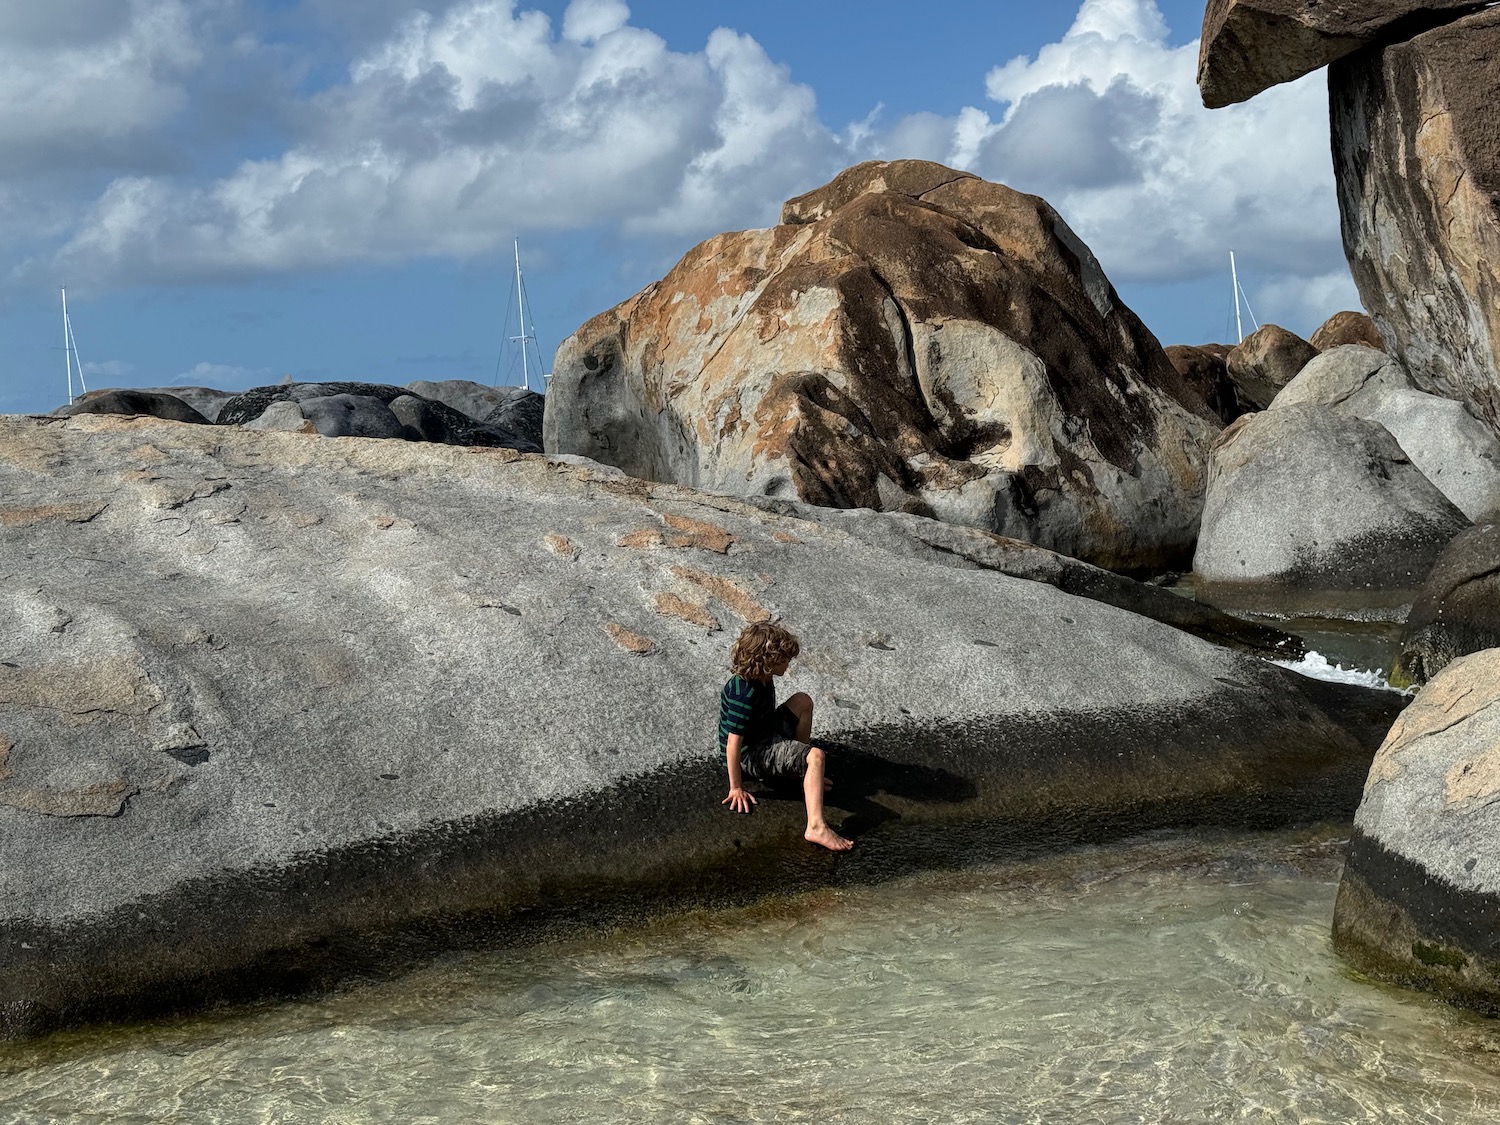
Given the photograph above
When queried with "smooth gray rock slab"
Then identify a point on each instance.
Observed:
(1458, 610)
(1454, 450)
(1421, 886)
(352, 416)
(1339, 376)
(279, 711)
(1312, 512)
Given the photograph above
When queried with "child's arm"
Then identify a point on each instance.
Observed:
(738, 800)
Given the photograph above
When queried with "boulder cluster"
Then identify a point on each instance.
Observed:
(1412, 86)
(268, 699)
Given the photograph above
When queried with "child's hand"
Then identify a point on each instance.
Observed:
(739, 800)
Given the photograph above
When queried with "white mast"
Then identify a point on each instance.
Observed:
(521, 312)
(1234, 278)
(70, 351)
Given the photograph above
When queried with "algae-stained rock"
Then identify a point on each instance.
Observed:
(1417, 162)
(910, 338)
(1344, 328)
(1312, 512)
(1458, 611)
(1251, 45)
(1265, 362)
(351, 700)
(1419, 902)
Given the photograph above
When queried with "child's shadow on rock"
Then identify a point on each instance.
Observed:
(860, 776)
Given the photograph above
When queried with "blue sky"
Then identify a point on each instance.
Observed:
(238, 190)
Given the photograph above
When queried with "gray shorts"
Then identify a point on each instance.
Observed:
(781, 758)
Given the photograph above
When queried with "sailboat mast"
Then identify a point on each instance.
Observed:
(521, 312)
(68, 345)
(1234, 277)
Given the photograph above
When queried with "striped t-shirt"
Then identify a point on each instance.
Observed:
(746, 708)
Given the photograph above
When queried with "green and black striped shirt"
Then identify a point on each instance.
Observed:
(746, 708)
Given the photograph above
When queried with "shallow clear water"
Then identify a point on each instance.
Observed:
(1168, 980)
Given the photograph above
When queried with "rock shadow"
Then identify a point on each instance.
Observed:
(860, 776)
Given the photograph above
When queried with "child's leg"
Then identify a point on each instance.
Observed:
(801, 705)
(818, 831)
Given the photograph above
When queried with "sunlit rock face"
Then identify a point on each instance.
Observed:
(1251, 45)
(1417, 159)
(1421, 886)
(909, 338)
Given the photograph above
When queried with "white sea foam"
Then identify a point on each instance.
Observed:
(1319, 667)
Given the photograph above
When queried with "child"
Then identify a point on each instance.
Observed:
(764, 742)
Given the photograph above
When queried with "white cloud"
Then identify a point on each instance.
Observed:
(108, 369)
(1303, 301)
(86, 81)
(1108, 126)
(463, 128)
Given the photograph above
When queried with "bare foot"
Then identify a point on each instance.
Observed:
(828, 838)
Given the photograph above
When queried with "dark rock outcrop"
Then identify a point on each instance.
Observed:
(1417, 160)
(364, 410)
(910, 338)
(1267, 360)
(1251, 45)
(1345, 328)
(1204, 368)
(125, 400)
(1458, 610)
(1420, 896)
(358, 700)
(1311, 512)
(515, 409)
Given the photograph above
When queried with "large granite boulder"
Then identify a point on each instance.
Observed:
(129, 401)
(1453, 449)
(1344, 328)
(1458, 610)
(910, 338)
(297, 709)
(1312, 512)
(516, 409)
(1419, 903)
(347, 409)
(1343, 378)
(1265, 362)
(1417, 160)
(1251, 45)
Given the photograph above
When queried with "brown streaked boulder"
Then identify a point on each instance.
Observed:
(910, 338)
(1267, 360)
(1204, 370)
(1251, 45)
(1344, 328)
(1417, 160)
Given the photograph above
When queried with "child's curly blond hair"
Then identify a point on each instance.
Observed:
(762, 646)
